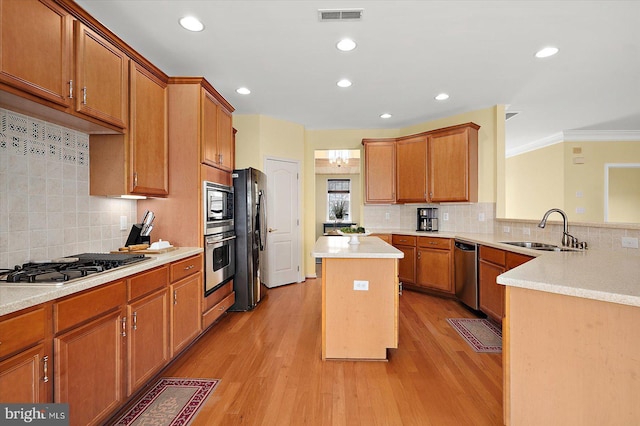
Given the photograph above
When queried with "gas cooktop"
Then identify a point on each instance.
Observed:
(65, 269)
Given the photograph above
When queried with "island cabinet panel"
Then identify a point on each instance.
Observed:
(90, 368)
(434, 264)
(453, 164)
(36, 53)
(406, 265)
(359, 324)
(411, 169)
(101, 77)
(380, 171)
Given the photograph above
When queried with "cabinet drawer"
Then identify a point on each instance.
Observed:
(216, 312)
(22, 331)
(77, 309)
(493, 255)
(147, 282)
(435, 243)
(215, 297)
(404, 240)
(186, 267)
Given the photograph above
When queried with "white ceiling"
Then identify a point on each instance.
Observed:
(480, 52)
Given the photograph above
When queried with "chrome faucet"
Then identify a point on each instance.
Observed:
(567, 239)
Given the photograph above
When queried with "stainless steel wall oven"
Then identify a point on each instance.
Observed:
(219, 235)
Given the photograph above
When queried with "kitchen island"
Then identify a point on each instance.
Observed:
(359, 297)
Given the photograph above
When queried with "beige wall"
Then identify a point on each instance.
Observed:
(555, 176)
(259, 137)
(531, 190)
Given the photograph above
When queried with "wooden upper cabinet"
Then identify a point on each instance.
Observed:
(380, 171)
(35, 43)
(217, 133)
(148, 137)
(101, 77)
(411, 169)
(453, 164)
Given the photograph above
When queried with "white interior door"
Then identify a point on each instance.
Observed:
(283, 225)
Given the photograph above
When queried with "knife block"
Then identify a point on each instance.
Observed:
(135, 237)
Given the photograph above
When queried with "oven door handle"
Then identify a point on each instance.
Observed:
(221, 241)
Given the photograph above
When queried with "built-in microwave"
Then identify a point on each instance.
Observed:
(218, 208)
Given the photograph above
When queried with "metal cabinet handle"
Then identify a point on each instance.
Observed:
(70, 89)
(175, 297)
(84, 95)
(135, 320)
(135, 179)
(400, 288)
(123, 333)
(419, 253)
(186, 268)
(45, 369)
(222, 308)
(220, 159)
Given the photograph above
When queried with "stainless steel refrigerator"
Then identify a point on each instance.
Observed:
(250, 223)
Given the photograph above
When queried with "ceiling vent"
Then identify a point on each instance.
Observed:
(328, 15)
(509, 115)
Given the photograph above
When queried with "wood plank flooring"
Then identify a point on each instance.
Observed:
(269, 363)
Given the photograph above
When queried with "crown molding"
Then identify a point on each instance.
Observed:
(576, 136)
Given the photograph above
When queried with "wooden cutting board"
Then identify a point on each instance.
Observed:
(147, 251)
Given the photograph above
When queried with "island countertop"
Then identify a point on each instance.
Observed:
(369, 248)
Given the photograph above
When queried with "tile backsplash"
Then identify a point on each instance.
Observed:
(45, 207)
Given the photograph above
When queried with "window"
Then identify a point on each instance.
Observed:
(338, 195)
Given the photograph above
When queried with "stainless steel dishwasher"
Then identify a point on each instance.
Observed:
(466, 273)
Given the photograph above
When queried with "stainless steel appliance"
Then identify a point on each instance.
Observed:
(427, 219)
(466, 273)
(60, 271)
(219, 261)
(218, 208)
(250, 228)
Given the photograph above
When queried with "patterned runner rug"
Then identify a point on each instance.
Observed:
(172, 401)
(481, 334)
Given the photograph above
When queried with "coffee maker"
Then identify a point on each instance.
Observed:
(427, 219)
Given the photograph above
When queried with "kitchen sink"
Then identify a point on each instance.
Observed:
(538, 246)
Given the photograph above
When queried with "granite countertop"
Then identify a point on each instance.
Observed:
(369, 247)
(14, 297)
(609, 276)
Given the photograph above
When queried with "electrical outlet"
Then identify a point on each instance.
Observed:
(630, 242)
(445, 216)
(480, 217)
(579, 194)
(123, 223)
(387, 216)
(526, 231)
(506, 229)
(580, 210)
(360, 285)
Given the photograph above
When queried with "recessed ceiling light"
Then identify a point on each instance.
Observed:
(385, 115)
(442, 97)
(243, 90)
(346, 45)
(344, 83)
(192, 24)
(546, 52)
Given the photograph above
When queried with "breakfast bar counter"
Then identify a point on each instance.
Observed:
(359, 297)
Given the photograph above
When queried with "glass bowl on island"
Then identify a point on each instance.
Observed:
(354, 232)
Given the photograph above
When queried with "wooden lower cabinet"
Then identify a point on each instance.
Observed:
(186, 317)
(217, 303)
(406, 265)
(434, 269)
(147, 339)
(384, 237)
(89, 369)
(24, 377)
(493, 262)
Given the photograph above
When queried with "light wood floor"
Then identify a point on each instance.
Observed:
(269, 363)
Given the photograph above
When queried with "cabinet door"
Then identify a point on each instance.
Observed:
(148, 133)
(225, 140)
(453, 165)
(411, 170)
(35, 43)
(24, 377)
(379, 158)
(148, 336)
(491, 293)
(89, 369)
(209, 130)
(102, 78)
(407, 265)
(186, 316)
(433, 270)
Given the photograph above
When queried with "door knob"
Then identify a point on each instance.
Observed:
(272, 229)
